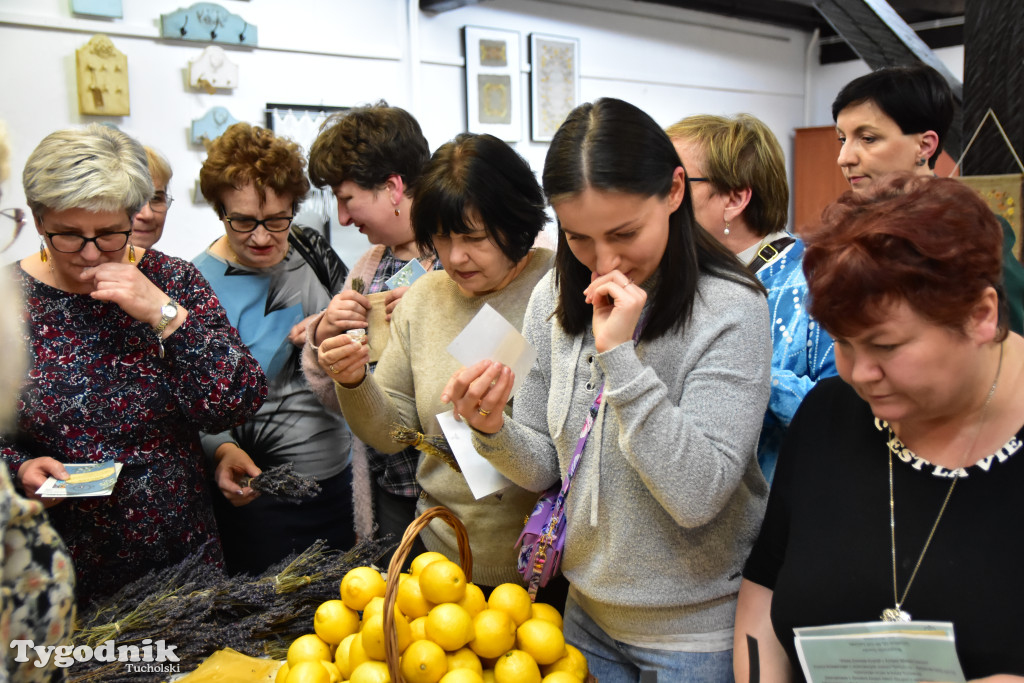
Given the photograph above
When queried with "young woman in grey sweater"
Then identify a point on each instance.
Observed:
(648, 312)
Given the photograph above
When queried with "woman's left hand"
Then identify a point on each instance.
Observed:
(297, 335)
(391, 300)
(126, 286)
(618, 303)
(478, 395)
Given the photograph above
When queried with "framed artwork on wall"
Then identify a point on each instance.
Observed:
(493, 82)
(554, 83)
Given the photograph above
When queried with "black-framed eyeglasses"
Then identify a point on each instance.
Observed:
(70, 243)
(698, 180)
(18, 216)
(246, 224)
(160, 202)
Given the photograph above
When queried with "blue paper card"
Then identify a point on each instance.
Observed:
(409, 273)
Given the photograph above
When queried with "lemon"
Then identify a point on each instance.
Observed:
(333, 671)
(450, 626)
(356, 654)
(573, 662)
(542, 610)
(516, 666)
(422, 560)
(332, 621)
(341, 656)
(423, 662)
(488, 675)
(464, 658)
(306, 648)
(542, 640)
(560, 677)
(282, 673)
(442, 581)
(371, 672)
(373, 635)
(473, 601)
(375, 606)
(495, 633)
(513, 599)
(418, 629)
(307, 672)
(410, 598)
(462, 676)
(360, 585)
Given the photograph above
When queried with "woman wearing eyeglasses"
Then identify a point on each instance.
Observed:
(272, 277)
(149, 223)
(130, 356)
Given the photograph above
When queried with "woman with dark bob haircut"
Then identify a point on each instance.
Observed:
(914, 456)
(478, 204)
(273, 277)
(656, 337)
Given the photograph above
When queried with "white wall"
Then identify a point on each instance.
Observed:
(670, 62)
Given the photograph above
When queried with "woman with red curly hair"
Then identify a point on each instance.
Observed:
(898, 487)
(272, 278)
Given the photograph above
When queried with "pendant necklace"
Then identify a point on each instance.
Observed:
(896, 613)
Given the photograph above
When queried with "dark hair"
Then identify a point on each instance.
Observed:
(483, 174)
(932, 242)
(367, 146)
(612, 146)
(916, 97)
(249, 154)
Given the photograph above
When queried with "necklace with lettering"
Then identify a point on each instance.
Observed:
(896, 613)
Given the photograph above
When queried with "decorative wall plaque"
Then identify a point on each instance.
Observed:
(102, 74)
(207, 22)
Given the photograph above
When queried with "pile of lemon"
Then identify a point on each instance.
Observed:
(447, 633)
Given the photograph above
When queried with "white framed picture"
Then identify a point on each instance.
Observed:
(554, 83)
(493, 82)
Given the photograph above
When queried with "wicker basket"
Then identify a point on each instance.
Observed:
(395, 568)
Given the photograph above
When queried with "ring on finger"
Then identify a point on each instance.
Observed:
(334, 369)
(483, 412)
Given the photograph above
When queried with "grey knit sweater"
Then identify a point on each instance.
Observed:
(668, 498)
(406, 388)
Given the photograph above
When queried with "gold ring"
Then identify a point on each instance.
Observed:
(333, 369)
(484, 412)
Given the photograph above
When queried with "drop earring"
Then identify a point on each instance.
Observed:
(726, 231)
(398, 212)
(131, 253)
(43, 256)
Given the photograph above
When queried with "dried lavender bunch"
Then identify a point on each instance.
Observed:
(358, 286)
(431, 444)
(282, 482)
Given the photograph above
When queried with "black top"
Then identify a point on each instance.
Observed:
(825, 547)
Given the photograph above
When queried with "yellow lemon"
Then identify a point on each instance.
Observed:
(410, 598)
(462, 676)
(473, 601)
(333, 671)
(282, 673)
(450, 626)
(332, 621)
(360, 585)
(422, 560)
(560, 677)
(573, 662)
(371, 672)
(442, 581)
(341, 656)
(418, 629)
(375, 606)
(373, 635)
(423, 662)
(307, 672)
(542, 640)
(356, 654)
(512, 599)
(306, 648)
(495, 633)
(516, 666)
(489, 676)
(465, 658)
(542, 610)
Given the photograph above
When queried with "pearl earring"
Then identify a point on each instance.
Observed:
(726, 231)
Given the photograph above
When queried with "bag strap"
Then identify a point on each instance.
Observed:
(768, 253)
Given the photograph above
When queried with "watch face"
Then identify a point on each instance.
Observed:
(169, 310)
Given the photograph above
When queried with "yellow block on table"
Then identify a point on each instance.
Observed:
(231, 666)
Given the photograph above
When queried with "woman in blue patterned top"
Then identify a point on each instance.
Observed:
(131, 356)
(738, 179)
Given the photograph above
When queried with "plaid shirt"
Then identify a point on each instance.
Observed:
(395, 473)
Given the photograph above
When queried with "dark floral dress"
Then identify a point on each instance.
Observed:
(98, 389)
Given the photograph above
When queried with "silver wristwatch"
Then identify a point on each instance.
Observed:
(168, 312)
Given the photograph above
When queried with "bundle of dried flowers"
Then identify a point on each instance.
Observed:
(358, 286)
(282, 482)
(431, 444)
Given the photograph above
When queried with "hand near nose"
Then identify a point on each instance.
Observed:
(392, 299)
(478, 395)
(347, 311)
(344, 359)
(126, 286)
(618, 303)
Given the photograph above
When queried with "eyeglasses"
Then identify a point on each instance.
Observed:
(246, 224)
(18, 216)
(698, 180)
(70, 243)
(160, 202)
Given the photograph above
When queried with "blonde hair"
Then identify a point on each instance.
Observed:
(159, 168)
